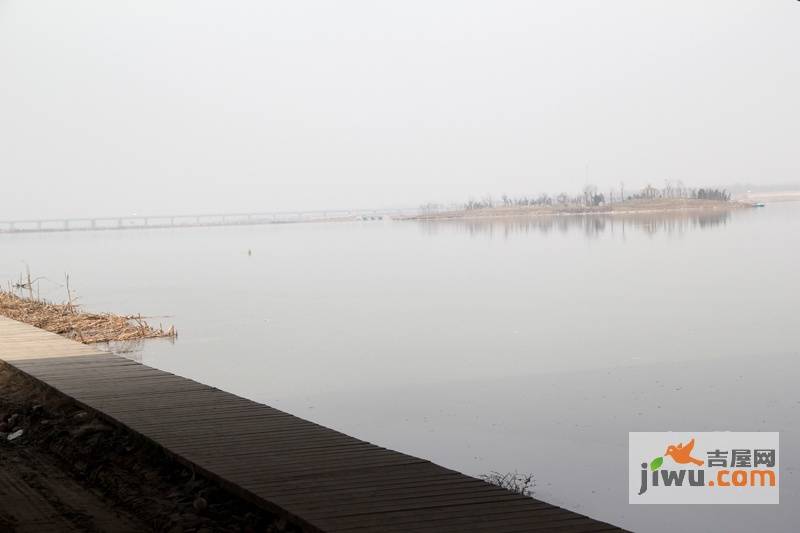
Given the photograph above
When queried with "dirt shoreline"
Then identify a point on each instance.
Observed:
(629, 207)
(70, 470)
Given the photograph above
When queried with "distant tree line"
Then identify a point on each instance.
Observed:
(712, 194)
(592, 197)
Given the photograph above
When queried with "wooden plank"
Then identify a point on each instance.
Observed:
(461, 516)
(367, 485)
(421, 473)
(316, 476)
(407, 496)
(255, 468)
(488, 521)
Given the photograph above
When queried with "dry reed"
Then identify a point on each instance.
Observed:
(68, 320)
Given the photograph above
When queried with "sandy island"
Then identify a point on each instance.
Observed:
(620, 208)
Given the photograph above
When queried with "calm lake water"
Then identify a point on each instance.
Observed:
(532, 345)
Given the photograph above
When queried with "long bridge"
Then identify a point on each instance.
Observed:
(197, 220)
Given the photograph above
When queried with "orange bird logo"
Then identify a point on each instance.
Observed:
(682, 453)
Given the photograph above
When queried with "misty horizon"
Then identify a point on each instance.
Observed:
(176, 107)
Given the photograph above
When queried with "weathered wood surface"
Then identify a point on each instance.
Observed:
(325, 480)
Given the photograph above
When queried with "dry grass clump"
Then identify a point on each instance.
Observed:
(68, 320)
(513, 481)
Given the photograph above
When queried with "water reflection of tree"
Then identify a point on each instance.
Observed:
(592, 226)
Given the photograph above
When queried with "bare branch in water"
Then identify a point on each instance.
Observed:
(513, 481)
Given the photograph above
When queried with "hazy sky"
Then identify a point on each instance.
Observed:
(156, 107)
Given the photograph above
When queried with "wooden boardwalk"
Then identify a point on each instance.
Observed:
(320, 478)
